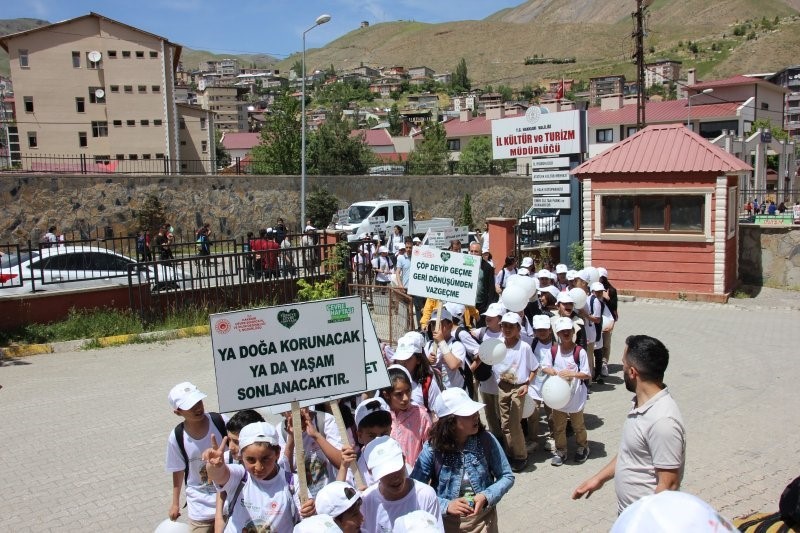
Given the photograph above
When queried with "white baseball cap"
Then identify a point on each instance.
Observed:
(596, 286)
(671, 511)
(455, 309)
(310, 228)
(583, 275)
(376, 237)
(563, 323)
(184, 396)
(318, 523)
(445, 314)
(408, 345)
(495, 309)
(383, 250)
(552, 290)
(369, 406)
(541, 322)
(602, 272)
(455, 401)
(511, 318)
(416, 239)
(258, 432)
(523, 271)
(335, 498)
(384, 456)
(527, 262)
(543, 273)
(561, 268)
(572, 274)
(416, 522)
(564, 298)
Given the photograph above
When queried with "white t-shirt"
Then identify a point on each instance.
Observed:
(319, 471)
(382, 268)
(490, 385)
(200, 492)
(380, 514)
(541, 352)
(418, 397)
(567, 362)
(519, 361)
(260, 503)
(450, 378)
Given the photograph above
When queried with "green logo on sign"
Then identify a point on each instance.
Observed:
(339, 312)
(469, 260)
(445, 256)
(288, 318)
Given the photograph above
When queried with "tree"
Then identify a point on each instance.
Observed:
(333, 150)
(151, 215)
(526, 92)
(466, 213)
(476, 157)
(321, 205)
(431, 156)
(505, 92)
(279, 151)
(460, 80)
(395, 120)
(222, 156)
(297, 67)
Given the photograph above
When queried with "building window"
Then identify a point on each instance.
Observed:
(126, 54)
(153, 55)
(183, 143)
(32, 140)
(97, 95)
(203, 123)
(454, 145)
(83, 140)
(139, 54)
(653, 213)
(28, 103)
(117, 123)
(22, 53)
(120, 157)
(133, 157)
(142, 88)
(631, 130)
(80, 104)
(128, 89)
(144, 122)
(159, 156)
(76, 60)
(99, 128)
(93, 64)
(605, 135)
(145, 156)
(102, 159)
(182, 123)
(112, 54)
(764, 105)
(204, 146)
(131, 122)
(155, 88)
(157, 122)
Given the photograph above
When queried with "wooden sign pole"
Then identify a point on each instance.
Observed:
(299, 452)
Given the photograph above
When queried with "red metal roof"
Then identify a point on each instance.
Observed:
(474, 127)
(735, 81)
(664, 148)
(394, 157)
(666, 111)
(240, 141)
(378, 137)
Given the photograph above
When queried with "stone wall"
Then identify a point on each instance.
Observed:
(232, 204)
(770, 255)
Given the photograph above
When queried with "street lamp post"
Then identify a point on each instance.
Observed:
(322, 19)
(689, 99)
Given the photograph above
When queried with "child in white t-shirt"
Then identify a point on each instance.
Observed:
(395, 494)
(542, 341)
(562, 363)
(261, 498)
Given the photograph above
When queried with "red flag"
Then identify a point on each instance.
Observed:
(560, 91)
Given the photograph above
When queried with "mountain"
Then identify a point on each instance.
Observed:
(8, 26)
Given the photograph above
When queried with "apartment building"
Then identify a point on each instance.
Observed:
(230, 114)
(660, 72)
(96, 88)
(604, 85)
(789, 78)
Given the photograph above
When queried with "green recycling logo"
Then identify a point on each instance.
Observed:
(288, 318)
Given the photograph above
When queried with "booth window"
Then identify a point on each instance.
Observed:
(654, 213)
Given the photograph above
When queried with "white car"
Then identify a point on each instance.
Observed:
(79, 267)
(539, 225)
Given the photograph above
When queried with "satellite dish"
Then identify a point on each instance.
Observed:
(94, 56)
(99, 93)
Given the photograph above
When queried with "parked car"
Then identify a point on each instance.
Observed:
(78, 267)
(539, 225)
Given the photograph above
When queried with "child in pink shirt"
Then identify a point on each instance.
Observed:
(410, 422)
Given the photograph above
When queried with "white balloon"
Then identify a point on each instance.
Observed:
(492, 351)
(514, 298)
(530, 286)
(594, 275)
(580, 297)
(556, 392)
(169, 526)
(515, 280)
(608, 323)
(528, 407)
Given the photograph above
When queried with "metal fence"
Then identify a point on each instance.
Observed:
(787, 197)
(392, 310)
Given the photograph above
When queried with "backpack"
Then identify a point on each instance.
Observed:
(140, 244)
(218, 422)
(464, 370)
(483, 371)
(438, 457)
(576, 354)
(598, 328)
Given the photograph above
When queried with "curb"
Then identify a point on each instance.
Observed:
(26, 350)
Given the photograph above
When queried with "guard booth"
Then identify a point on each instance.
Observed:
(660, 213)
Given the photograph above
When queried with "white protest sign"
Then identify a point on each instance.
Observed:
(375, 367)
(288, 353)
(343, 217)
(796, 212)
(435, 239)
(443, 237)
(377, 224)
(444, 275)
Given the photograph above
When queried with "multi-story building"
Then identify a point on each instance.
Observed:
(230, 114)
(663, 71)
(604, 85)
(789, 78)
(100, 90)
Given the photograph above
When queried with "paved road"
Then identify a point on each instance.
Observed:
(85, 431)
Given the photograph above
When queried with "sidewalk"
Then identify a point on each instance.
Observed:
(87, 429)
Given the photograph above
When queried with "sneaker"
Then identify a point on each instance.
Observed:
(518, 465)
(604, 370)
(581, 454)
(550, 444)
(531, 446)
(557, 459)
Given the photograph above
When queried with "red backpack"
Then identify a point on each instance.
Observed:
(576, 354)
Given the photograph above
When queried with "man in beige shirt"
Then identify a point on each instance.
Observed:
(652, 452)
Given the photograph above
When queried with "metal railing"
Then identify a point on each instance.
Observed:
(538, 230)
(787, 197)
(392, 310)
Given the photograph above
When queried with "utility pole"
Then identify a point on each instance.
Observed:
(638, 35)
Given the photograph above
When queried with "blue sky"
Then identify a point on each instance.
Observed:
(248, 26)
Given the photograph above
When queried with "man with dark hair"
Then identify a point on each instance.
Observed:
(486, 294)
(652, 451)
